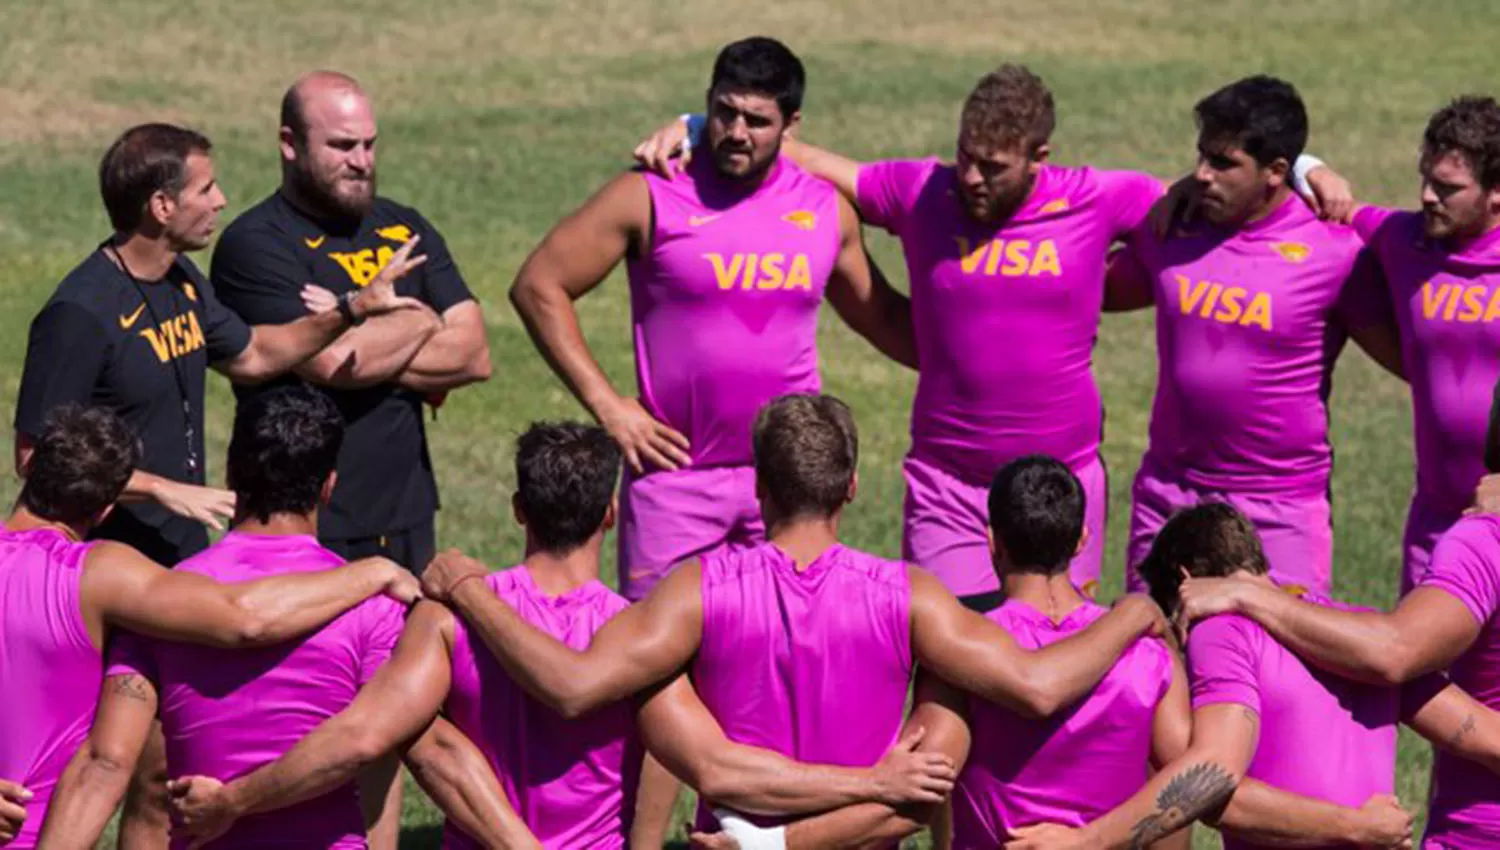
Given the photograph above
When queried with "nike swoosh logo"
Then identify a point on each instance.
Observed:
(127, 321)
(700, 220)
(314, 243)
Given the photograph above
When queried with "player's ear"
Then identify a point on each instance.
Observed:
(1279, 171)
(288, 144)
(160, 206)
(989, 539)
(611, 512)
(326, 494)
(515, 510)
(103, 515)
(853, 488)
(1040, 153)
(1083, 540)
(792, 123)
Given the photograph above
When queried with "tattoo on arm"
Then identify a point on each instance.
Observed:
(132, 687)
(1462, 731)
(1196, 791)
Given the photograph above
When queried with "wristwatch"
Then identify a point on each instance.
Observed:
(346, 307)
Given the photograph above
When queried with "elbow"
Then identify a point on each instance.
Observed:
(479, 367)
(1039, 699)
(367, 744)
(251, 628)
(572, 706)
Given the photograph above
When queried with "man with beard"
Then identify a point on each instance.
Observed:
(728, 262)
(1006, 255)
(326, 225)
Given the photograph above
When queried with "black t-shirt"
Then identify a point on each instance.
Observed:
(264, 258)
(96, 343)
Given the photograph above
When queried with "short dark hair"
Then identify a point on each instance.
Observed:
(146, 159)
(1036, 513)
(1261, 115)
(806, 450)
(1009, 107)
(763, 65)
(1210, 540)
(1470, 127)
(565, 478)
(285, 443)
(79, 464)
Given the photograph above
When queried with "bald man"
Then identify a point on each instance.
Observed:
(327, 226)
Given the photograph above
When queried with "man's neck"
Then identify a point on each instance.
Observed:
(145, 258)
(805, 538)
(1053, 595)
(22, 519)
(1461, 242)
(1273, 203)
(556, 574)
(278, 525)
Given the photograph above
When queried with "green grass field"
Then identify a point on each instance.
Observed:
(496, 118)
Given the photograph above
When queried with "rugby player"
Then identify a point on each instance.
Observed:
(728, 262)
(226, 712)
(1264, 709)
(1254, 302)
(61, 599)
(573, 781)
(1006, 256)
(801, 645)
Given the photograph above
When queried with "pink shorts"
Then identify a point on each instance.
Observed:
(945, 519)
(1296, 534)
(670, 517)
(1426, 521)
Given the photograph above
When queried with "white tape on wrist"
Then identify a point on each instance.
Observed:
(748, 835)
(1300, 169)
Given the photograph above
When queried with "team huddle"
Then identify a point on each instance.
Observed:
(262, 690)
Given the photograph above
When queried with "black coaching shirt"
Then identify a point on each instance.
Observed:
(385, 480)
(97, 343)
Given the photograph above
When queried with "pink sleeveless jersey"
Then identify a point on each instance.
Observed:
(225, 713)
(49, 670)
(815, 664)
(1005, 315)
(572, 781)
(725, 303)
(1023, 772)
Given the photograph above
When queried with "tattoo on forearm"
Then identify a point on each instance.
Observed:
(132, 687)
(1462, 731)
(1192, 793)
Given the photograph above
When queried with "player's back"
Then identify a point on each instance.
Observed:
(1067, 769)
(725, 302)
(1307, 716)
(813, 664)
(572, 781)
(226, 712)
(49, 669)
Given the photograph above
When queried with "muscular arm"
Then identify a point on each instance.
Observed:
(416, 678)
(939, 710)
(640, 646)
(455, 355)
(96, 777)
(122, 588)
(572, 260)
(1257, 812)
(1458, 724)
(1427, 632)
(274, 349)
(865, 300)
(679, 730)
(1197, 785)
(979, 657)
(1382, 343)
(458, 779)
(377, 351)
(841, 171)
(655, 798)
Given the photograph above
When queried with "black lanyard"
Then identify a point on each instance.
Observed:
(189, 431)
